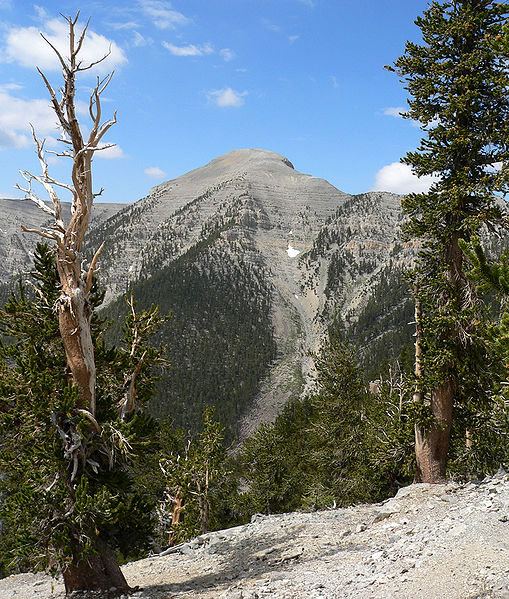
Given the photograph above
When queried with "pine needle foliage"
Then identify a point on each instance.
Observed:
(457, 82)
(66, 481)
(338, 446)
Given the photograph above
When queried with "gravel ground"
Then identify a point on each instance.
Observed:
(439, 541)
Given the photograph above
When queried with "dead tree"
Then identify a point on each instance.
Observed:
(100, 570)
(73, 305)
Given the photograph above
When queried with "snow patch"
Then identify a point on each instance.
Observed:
(291, 251)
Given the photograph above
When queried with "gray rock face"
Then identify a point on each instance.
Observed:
(16, 247)
(321, 251)
(432, 541)
(278, 218)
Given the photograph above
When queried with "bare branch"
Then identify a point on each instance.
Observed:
(46, 180)
(83, 33)
(100, 148)
(105, 127)
(95, 100)
(60, 154)
(57, 106)
(93, 64)
(90, 274)
(33, 197)
(128, 403)
(62, 61)
(37, 232)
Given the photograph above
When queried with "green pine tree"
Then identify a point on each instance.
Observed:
(194, 471)
(457, 80)
(68, 495)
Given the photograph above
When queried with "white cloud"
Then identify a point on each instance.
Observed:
(394, 111)
(25, 46)
(335, 82)
(112, 153)
(189, 50)
(125, 25)
(15, 114)
(139, 40)
(10, 87)
(155, 172)
(227, 54)
(398, 178)
(293, 38)
(271, 26)
(5, 4)
(309, 3)
(226, 97)
(162, 14)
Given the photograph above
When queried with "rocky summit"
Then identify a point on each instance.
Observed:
(435, 541)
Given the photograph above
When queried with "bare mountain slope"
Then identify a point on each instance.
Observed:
(256, 260)
(16, 247)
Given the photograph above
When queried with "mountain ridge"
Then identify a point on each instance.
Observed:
(248, 224)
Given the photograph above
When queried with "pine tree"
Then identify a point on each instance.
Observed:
(457, 80)
(68, 496)
(193, 471)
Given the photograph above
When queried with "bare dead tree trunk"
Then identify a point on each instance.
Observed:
(99, 571)
(74, 312)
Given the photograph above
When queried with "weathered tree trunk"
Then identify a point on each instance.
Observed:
(431, 446)
(99, 572)
(74, 322)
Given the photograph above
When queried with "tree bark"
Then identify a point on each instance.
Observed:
(74, 316)
(99, 572)
(431, 445)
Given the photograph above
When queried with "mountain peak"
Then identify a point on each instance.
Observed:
(246, 158)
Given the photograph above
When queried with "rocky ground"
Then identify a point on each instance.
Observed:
(449, 541)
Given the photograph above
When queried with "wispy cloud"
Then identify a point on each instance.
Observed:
(25, 46)
(227, 54)
(139, 40)
(198, 50)
(227, 97)
(271, 26)
(155, 172)
(5, 4)
(189, 49)
(398, 178)
(123, 26)
(335, 82)
(162, 14)
(397, 113)
(310, 3)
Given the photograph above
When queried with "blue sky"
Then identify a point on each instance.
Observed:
(195, 79)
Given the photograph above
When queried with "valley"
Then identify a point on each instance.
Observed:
(256, 261)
